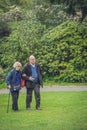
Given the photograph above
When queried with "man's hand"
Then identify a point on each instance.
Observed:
(24, 75)
(31, 78)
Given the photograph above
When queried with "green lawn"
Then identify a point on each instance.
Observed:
(61, 111)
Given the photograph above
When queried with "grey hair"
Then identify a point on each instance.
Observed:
(17, 63)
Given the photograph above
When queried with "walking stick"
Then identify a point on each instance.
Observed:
(8, 102)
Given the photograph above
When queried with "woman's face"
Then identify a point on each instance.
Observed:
(18, 67)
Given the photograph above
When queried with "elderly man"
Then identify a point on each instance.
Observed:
(33, 78)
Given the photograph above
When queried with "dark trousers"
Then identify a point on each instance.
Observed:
(15, 95)
(36, 90)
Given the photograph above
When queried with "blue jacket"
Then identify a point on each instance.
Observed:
(10, 79)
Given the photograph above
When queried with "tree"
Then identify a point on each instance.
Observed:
(73, 6)
(52, 15)
(6, 5)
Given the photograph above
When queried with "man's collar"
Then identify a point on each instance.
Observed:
(32, 65)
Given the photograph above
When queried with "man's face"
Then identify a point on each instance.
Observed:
(32, 60)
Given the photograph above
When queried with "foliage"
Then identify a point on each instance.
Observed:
(63, 52)
(14, 14)
(4, 29)
(6, 5)
(73, 6)
(52, 15)
(2, 76)
(21, 43)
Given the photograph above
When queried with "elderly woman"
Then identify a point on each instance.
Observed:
(13, 81)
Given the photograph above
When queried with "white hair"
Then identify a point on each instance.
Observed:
(17, 63)
(31, 57)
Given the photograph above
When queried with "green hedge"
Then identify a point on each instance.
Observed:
(64, 52)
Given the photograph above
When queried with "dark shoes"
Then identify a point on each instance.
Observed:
(15, 110)
(38, 108)
(28, 108)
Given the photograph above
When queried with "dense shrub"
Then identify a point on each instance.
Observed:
(64, 52)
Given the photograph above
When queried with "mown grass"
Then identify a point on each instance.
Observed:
(52, 83)
(61, 111)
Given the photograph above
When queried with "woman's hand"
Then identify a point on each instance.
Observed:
(9, 87)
